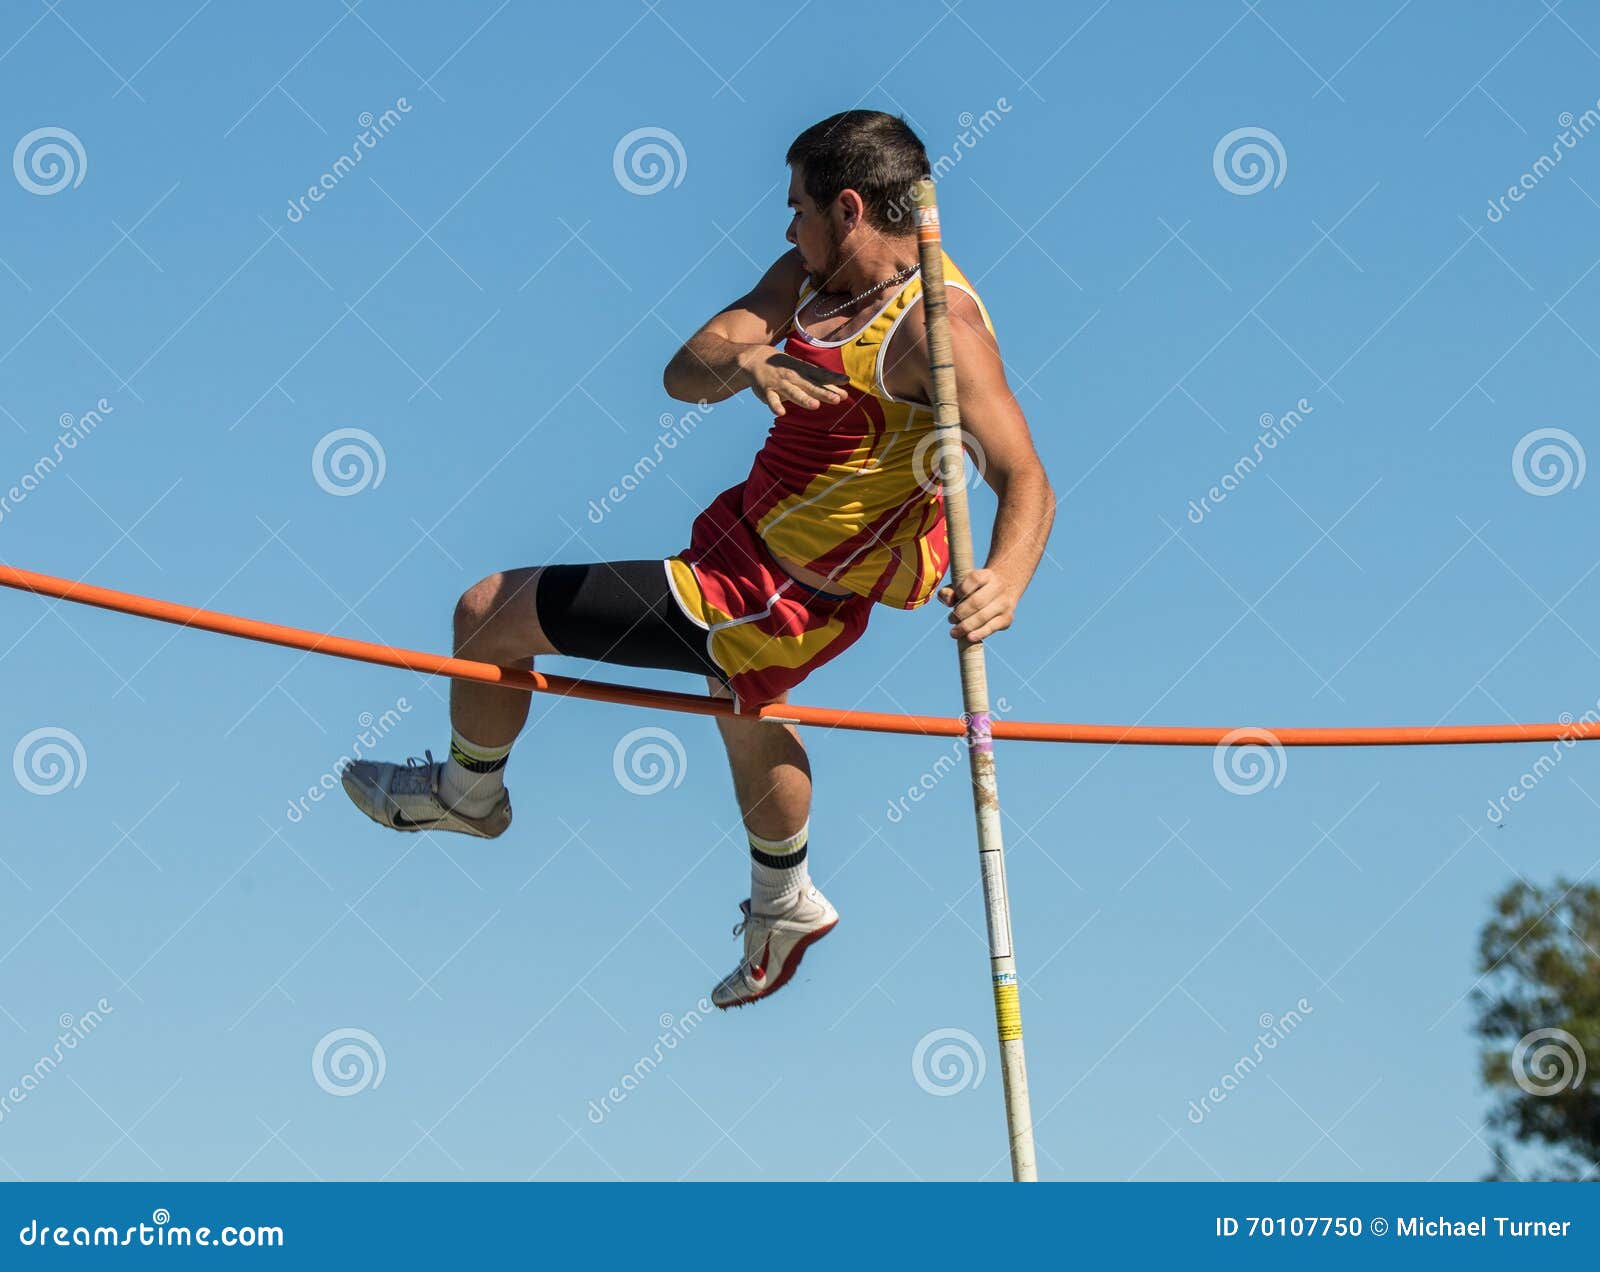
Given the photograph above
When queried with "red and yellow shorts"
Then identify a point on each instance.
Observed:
(766, 630)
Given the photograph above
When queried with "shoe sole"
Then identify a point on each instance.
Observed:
(789, 969)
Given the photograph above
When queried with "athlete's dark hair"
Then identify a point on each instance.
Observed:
(874, 154)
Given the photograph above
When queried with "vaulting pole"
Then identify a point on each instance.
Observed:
(975, 693)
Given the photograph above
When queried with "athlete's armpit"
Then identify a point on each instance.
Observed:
(990, 415)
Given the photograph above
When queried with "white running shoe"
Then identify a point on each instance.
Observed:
(406, 797)
(774, 944)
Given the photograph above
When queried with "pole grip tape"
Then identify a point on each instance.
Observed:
(980, 732)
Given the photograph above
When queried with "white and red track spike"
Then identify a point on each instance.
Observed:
(774, 944)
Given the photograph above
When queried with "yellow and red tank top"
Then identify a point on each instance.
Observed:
(851, 490)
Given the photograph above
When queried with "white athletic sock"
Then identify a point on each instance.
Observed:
(473, 776)
(778, 872)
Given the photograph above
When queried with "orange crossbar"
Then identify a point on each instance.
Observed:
(826, 717)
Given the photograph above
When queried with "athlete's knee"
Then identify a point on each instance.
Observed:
(475, 607)
(495, 618)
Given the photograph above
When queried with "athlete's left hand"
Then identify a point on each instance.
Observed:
(987, 604)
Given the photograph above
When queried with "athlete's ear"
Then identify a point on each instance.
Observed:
(851, 210)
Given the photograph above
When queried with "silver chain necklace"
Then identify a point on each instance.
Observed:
(871, 291)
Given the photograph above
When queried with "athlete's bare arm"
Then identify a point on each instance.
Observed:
(734, 350)
(1000, 438)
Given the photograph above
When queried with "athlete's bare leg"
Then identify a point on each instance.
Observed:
(496, 621)
(772, 780)
(771, 775)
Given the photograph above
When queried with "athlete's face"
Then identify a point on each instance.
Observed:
(811, 229)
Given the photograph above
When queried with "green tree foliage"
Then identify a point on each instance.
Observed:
(1539, 1021)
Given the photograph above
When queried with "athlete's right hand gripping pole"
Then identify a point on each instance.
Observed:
(975, 691)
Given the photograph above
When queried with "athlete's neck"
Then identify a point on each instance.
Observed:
(871, 264)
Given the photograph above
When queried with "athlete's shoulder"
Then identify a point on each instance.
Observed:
(785, 277)
(906, 358)
(777, 293)
(765, 311)
(963, 306)
(962, 295)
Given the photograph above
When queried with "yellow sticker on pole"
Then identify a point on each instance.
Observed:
(1008, 1011)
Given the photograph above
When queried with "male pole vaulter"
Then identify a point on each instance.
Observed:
(841, 512)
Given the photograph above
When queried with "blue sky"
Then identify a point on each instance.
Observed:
(490, 305)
